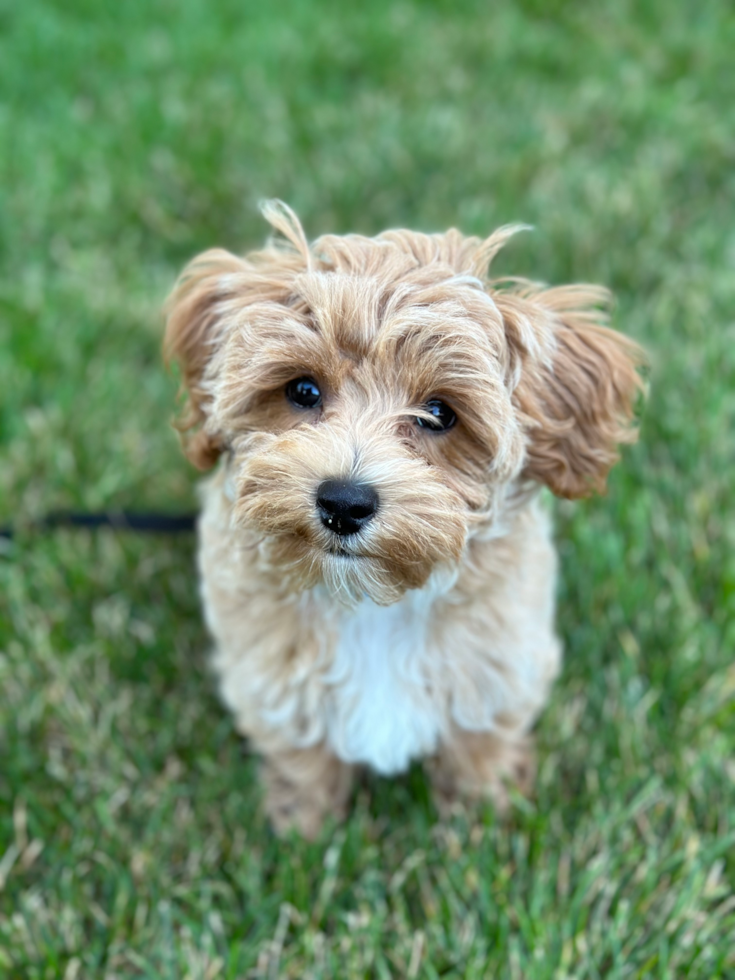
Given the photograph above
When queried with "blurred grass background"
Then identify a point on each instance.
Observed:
(131, 842)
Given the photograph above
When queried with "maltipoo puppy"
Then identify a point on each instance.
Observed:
(377, 570)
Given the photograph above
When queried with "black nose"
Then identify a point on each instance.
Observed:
(345, 507)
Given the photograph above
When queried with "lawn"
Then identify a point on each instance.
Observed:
(133, 135)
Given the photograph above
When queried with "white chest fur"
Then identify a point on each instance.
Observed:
(379, 708)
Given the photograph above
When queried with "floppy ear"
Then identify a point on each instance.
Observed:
(576, 384)
(207, 303)
(195, 315)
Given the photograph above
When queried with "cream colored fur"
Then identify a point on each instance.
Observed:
(428, 634)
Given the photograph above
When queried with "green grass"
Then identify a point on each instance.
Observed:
(131, 839)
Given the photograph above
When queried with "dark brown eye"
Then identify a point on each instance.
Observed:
(304, 393)
(442, 416)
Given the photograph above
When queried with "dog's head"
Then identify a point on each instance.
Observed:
(380, 401)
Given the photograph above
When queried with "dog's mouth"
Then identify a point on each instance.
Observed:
(339, 552)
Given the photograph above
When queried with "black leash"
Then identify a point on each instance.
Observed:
(123, 520)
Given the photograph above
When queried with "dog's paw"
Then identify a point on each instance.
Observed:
(289, 808)
(303, 790)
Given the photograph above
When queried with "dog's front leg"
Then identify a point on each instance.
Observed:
(477, 765)
(305, 786)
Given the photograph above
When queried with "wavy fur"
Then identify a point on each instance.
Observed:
(429, 632)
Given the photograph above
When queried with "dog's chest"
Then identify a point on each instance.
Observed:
(379, 707)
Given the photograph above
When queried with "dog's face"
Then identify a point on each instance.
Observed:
(380, 402)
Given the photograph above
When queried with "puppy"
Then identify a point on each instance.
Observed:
(377, 570)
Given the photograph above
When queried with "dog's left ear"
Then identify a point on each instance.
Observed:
(575, 383)
(195, 320)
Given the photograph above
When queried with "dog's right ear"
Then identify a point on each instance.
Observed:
(204, 308)
(196, 321)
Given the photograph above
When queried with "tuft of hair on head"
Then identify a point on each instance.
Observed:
(578, 391)
(284, 220)
(483, 255)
